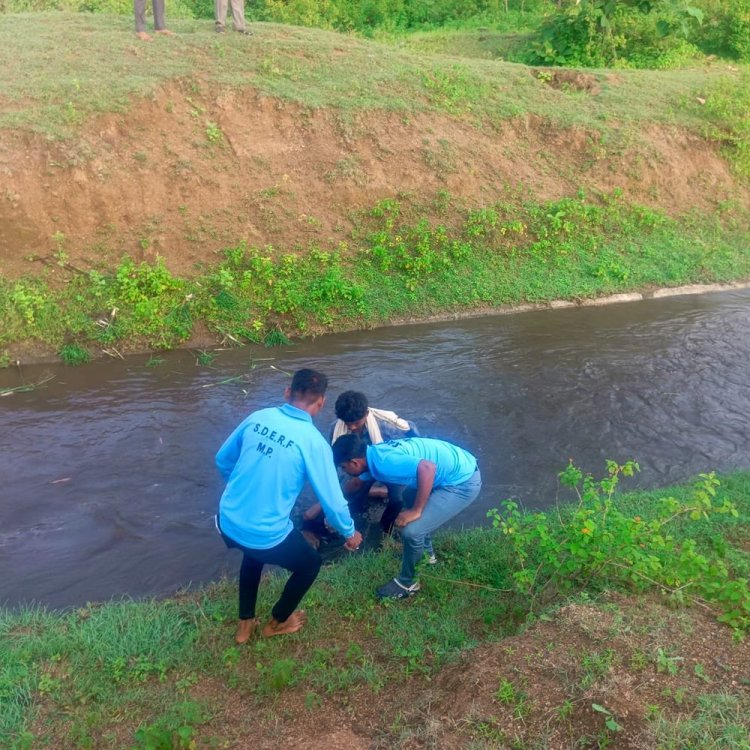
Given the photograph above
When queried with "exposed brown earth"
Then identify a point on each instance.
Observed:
(193, 171)
(605, 654)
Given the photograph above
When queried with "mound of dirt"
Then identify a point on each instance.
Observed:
(569, 80)
(626, 661)
(632, 661)
(195, 170)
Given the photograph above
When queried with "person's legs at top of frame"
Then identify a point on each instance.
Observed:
(238, 16)
(160, 24)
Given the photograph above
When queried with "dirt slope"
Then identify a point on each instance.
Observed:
(637, 658)
(192, 171)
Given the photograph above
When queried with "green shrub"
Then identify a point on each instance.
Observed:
(602, 33)
(596, 544)
(726, 31)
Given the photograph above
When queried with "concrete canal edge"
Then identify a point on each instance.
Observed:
(203, 339)
(560, 304)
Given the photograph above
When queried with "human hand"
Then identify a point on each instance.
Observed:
(406, 516)
(312, 512)
(353, 542)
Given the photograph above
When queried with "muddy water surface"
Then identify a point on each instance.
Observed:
(107, 482)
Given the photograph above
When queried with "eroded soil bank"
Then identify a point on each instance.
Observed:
(195, 169)
(636, 658)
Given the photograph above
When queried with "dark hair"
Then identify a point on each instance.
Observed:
(351, 406)
(308, 385)
(348, 447)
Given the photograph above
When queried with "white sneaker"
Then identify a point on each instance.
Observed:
(432, 560)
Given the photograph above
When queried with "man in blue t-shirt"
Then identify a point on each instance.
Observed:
(446, 479)
(266, 462)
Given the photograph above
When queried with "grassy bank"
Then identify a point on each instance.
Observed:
(395, 264)
(318, 68)
(100, 125)
(167, 674)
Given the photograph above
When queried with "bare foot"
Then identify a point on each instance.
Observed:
(143, 36)
(165, 32)
(292, 624)
(245, 630)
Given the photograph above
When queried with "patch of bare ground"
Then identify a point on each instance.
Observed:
(569, 80)
(194, 170)
(636, 658)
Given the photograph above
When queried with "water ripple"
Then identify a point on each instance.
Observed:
(107, 477)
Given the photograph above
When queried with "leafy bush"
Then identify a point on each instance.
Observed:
(660, 34)
(596, 544)
(173, 731)
(726, 31)
(415, 252)
(73, 354)
(255, 296)
(604, 33)
(367, 15)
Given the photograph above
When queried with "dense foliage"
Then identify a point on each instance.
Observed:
(341, 15)
(594, 543)
(726, 31)
(642, 33)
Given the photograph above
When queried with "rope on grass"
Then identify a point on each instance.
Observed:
(694, 599)
(468, 583)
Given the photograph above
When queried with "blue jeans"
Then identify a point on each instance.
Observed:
(443, 504)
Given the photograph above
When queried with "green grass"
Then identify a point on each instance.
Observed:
(395, 264)
(74, 355)
(131, 663)
(503, 38)
(719, 723)
(122, 672)
(61, 68)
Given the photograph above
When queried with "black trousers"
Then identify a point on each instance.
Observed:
(293, 554)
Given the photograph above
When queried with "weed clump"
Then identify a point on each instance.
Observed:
(74, 355)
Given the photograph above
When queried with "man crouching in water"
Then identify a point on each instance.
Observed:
(446, 479)
(266, 462)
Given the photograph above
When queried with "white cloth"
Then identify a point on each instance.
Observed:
(373, 428)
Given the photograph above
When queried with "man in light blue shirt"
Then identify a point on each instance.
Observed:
(446, 479)
(355, 415)
(265, 463)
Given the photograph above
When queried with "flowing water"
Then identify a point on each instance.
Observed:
(107, 482)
